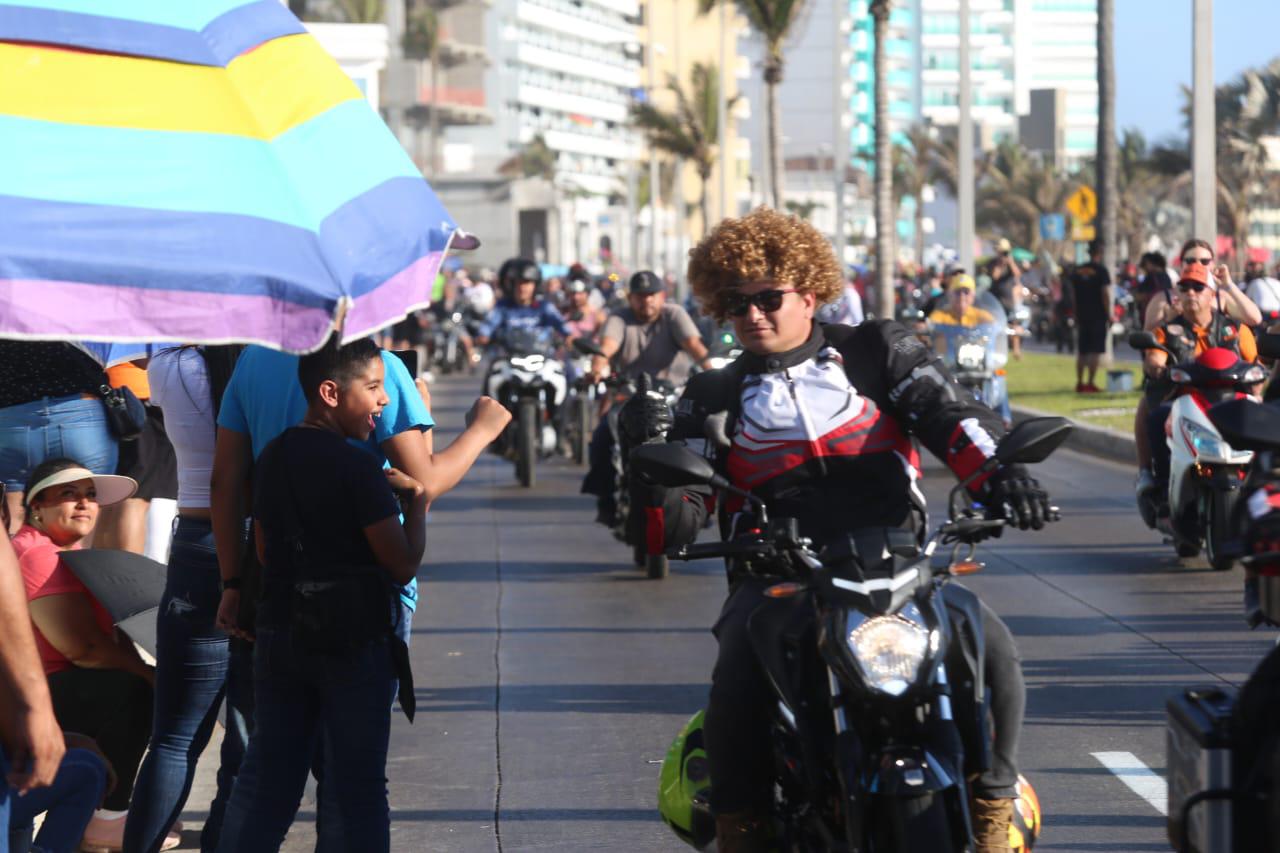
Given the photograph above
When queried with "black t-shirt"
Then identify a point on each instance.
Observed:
(30, 370)
(1087, 281)
(335, 489)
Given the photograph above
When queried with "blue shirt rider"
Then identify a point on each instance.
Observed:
(521, 309)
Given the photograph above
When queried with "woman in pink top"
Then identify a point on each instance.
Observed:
(99, 684)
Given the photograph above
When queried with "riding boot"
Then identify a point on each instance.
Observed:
(742, 832)
(991, 820)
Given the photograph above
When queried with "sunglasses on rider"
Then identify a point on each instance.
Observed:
(768, 301)
(1204, 261)
(1195, 285)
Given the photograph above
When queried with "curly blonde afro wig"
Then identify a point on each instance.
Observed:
(764, 245)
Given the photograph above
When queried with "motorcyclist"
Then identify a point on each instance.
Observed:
(959, 309)
(1198, 327)
(1163, 307)
(822, 419)
(520, 307)
(650, 336)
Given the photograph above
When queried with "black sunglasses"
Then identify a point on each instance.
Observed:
(1195, 285)
(768, 301)
(1205, 261)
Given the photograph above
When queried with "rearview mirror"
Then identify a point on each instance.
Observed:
(1269, 345)
(672, 465)
(1247, 425)
(1033, 440)
(1143, 340)
(586, 347)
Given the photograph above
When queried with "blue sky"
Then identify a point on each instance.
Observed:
(1153, 55)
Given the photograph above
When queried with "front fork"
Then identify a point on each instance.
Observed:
(896, 773)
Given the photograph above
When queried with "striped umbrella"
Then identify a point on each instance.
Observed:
(198, 170)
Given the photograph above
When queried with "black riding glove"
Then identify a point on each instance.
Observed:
(1018, 498)
(646, 415)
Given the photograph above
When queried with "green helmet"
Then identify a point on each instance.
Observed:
(684, 785)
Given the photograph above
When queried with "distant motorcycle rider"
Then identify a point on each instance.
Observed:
(520, 307)
(821, 420)
(650, 337)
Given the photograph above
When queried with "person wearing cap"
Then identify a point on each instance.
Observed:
(1006, 285)
(959, 309)
(650, 337)
(99, 684)
(1091, 294)
(1198, 327)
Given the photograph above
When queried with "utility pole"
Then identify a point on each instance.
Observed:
(722, 117)
(1204, 182)
(964, 152)
(652, 58)
(839, 148)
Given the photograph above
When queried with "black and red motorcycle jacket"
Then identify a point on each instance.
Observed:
(823, 434)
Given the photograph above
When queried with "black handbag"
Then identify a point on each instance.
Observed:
(125, 413)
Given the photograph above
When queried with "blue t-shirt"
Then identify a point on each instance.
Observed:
(508, 315)
(264, 398)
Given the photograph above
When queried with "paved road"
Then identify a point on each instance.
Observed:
(552, 676)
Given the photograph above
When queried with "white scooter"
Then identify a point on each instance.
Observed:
(1205, 472)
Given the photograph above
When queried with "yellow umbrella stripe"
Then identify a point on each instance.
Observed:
(260, 94)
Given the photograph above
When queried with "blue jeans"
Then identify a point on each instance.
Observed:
(195, 668)
(51, 427)
(298, 697)
(70, 802)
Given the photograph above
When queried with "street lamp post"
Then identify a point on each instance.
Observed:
(839, 153)
(964, 152)
(1204, 206)
(722, 115)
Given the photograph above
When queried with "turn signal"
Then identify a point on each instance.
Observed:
(783, 590)
(966, 567)
(1000, 371)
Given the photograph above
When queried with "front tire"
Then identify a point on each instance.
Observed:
(914, 823)
(581, 429)
(526, 442)
(1220, 509)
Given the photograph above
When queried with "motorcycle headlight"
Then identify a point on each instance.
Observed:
(971, 356)
(1204, 442)
(889, 650)
(531, 363)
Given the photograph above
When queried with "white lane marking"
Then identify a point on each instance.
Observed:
(1140, 778)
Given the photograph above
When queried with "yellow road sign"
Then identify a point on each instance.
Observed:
(1082, 232)
(1083, 204)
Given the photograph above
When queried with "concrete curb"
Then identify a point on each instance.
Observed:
(1087, 438)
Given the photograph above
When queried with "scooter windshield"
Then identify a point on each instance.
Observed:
(991, 333)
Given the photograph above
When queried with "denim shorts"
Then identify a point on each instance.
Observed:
(50, 427)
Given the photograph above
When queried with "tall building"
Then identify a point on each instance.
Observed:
(1016, 47)
(548, 176)
(1056, 47)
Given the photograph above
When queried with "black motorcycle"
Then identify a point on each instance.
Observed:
(619, 390)
(877, 672)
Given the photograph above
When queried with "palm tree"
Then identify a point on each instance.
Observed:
(1015, 188)
(690, 131)
(422, 41)
(535, 159)
(360, 11)
(773, 21)
(886, 223)
(804, 209)
(922, 162)
(1248, 111)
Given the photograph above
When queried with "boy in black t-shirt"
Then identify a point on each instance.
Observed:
(324, 506)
